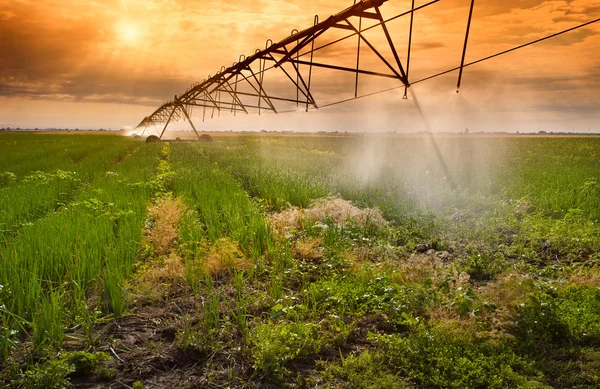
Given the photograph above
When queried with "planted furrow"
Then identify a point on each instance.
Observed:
(41, 192)
(222, 208)
(85, 249)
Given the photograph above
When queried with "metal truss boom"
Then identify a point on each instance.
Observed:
(226, 84)
(243, 87)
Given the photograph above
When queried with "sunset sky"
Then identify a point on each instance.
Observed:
(109, 63)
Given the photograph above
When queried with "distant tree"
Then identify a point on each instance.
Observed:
(466, 130)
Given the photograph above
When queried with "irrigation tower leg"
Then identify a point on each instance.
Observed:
(167, 123)
(191, 122)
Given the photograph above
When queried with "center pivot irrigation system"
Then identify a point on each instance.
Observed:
(241, 88)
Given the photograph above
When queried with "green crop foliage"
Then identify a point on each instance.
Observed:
(274, 345)
(90, 241)
(222, 207)
(364, 371)
(452, 358)
(564, 315)
(475, 266)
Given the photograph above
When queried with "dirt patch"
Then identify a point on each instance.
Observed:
(145, 347)
(329, 208)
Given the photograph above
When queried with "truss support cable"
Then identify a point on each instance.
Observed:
(357, 55)
(467, 64)
(509, 50)
(392, 47)
(312, 51)
(464, 53)
(297, 73)
(410, 31)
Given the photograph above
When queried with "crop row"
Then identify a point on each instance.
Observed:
(86, 248)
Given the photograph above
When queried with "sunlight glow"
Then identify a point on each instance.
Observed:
(127, 32)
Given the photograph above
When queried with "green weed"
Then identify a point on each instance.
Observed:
(275, 345)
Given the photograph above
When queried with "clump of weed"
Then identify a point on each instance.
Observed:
(340, 211)
(85, 363)
(452, 357)
(54, 373)
(522, 207)
(505, 294)
(49, 375)
(369, 293)
(163, 221)
(225, 256)
(555, 316)
(420, 267)
(485, 266)
(363, 371)
(333, 209)
(273, 345)
(7, 178)
(162, 278)
(164, 273)
(309, 249)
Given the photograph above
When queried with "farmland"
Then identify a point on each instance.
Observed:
(413, 261)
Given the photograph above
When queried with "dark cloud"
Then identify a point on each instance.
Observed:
(571, 38)
(114, 88)
(428, 45)
(34, 47)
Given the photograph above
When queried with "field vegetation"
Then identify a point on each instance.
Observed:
(264, 261)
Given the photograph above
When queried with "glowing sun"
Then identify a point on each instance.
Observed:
(127, 32)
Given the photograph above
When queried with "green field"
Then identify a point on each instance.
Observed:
(408, 261)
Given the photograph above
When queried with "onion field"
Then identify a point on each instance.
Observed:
(346, 261)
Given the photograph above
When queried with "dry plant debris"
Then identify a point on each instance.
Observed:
(333, 208)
